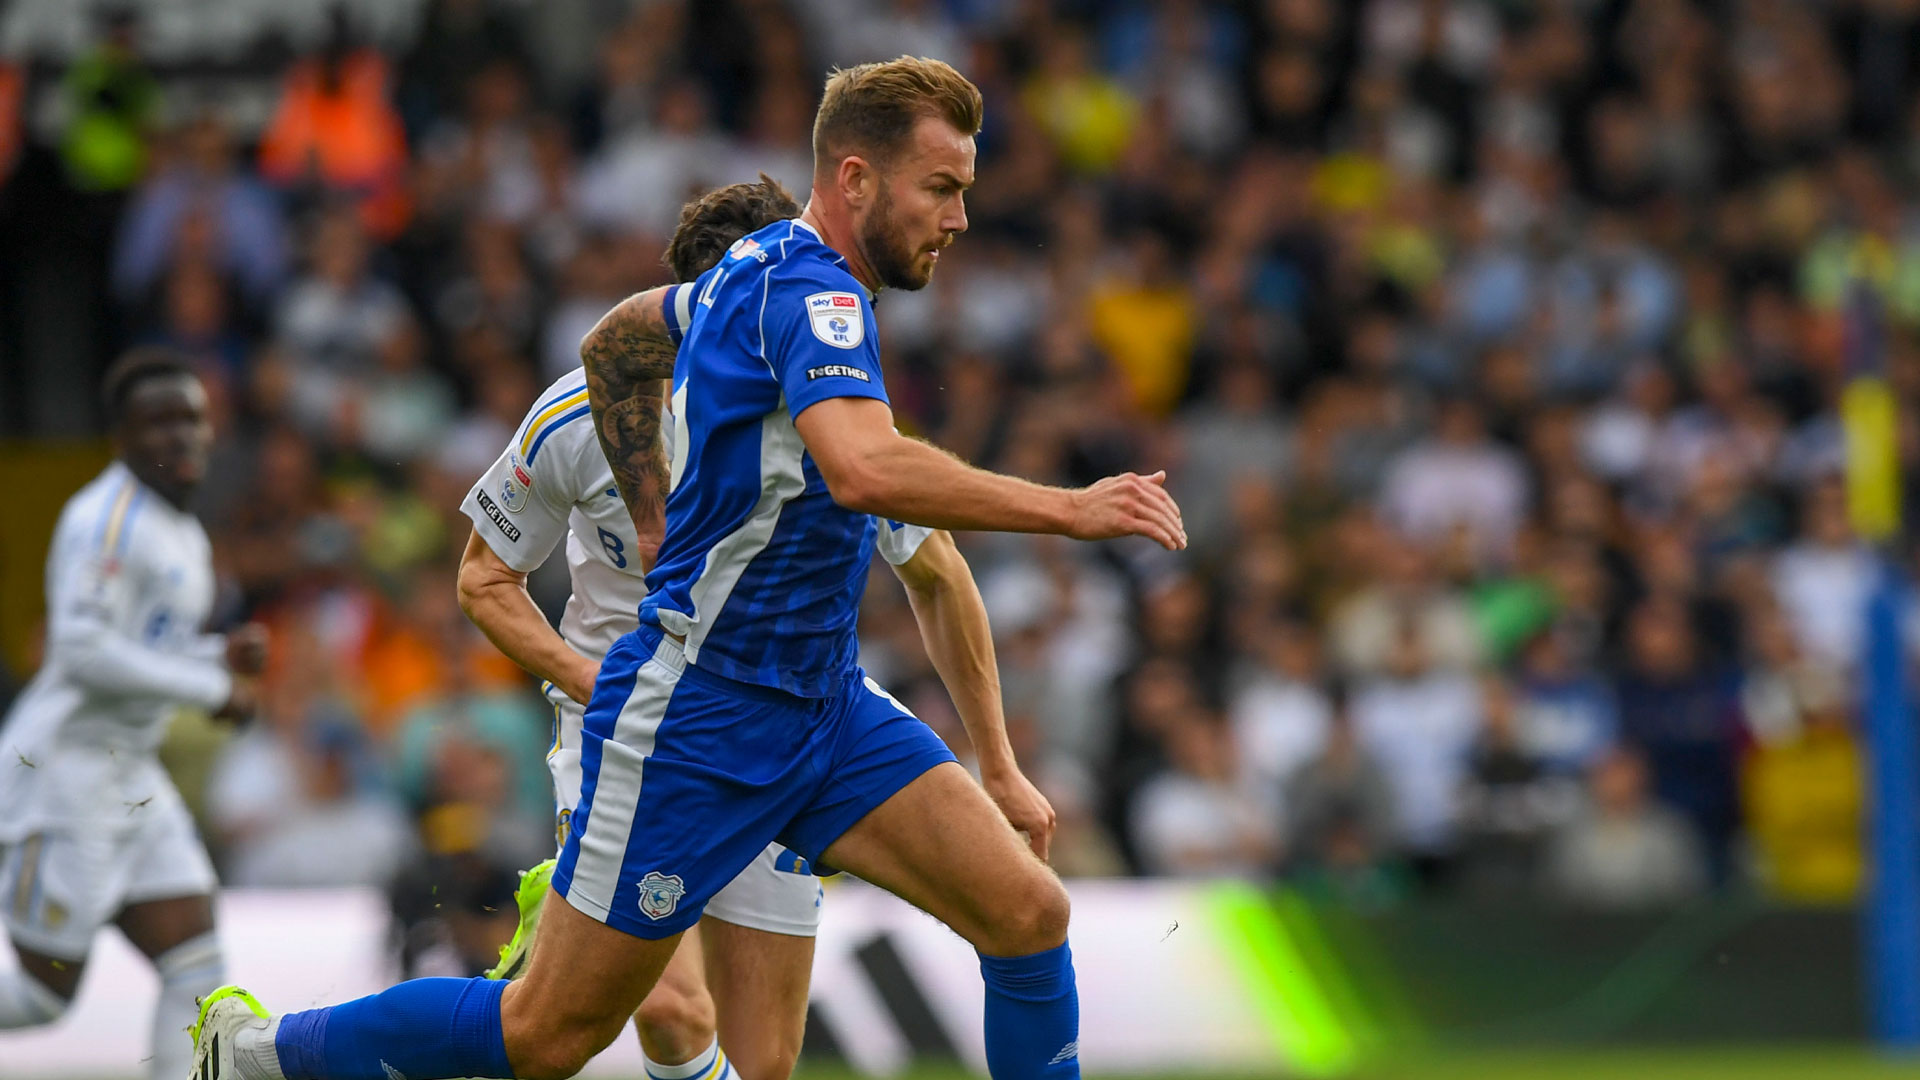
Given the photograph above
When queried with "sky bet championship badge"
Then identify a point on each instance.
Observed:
(836, 319)
(513, 489)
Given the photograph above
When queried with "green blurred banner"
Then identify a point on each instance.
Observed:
(1723, 971)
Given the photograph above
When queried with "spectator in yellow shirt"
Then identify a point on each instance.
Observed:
(1145, 319)
(1089, 117)
(1804, 791)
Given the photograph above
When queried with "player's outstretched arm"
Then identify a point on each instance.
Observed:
(626, 355)
(953, 624)
(494, 596)
(871, 468)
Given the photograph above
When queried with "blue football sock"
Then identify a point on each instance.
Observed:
(427, 1029)
(1033, 1016)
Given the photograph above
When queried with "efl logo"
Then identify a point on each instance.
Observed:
(836, 319)
(514, 487)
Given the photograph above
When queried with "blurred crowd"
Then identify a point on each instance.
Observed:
(1494, 350)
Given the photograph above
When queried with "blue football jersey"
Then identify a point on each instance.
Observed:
(760, 570)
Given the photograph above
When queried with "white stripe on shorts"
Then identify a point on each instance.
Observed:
(616, 793)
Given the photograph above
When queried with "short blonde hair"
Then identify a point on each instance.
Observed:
(870, 109)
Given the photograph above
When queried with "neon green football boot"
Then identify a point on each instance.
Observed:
(223, 1015)
(530, 897)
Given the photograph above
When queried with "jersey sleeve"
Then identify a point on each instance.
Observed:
(678, 307)
(898, 541)
(820, 339)
(520, 507)
(99, 575)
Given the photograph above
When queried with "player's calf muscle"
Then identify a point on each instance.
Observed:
(543, 1044)
(584, 981)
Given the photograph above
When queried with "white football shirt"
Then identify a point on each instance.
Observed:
(129, 584)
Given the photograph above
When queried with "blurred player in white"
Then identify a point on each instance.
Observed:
(91, 829)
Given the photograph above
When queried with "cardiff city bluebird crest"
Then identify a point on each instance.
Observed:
(660, 894)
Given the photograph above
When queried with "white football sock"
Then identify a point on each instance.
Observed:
(25, 1003)
(254, 1053)
(188, 972)
(709, 1064)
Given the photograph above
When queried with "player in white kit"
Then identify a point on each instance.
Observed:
(91, 829)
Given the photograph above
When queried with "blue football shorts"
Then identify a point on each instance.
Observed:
(687, 776)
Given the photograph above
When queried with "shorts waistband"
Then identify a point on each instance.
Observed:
(670, 652)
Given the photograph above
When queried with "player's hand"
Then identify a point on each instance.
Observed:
(247, 650)
(242, 701)
(1026, 809)
(1129, 505)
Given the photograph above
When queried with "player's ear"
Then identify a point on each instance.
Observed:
(858, 180)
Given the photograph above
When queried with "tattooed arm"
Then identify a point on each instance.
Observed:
(627, 355)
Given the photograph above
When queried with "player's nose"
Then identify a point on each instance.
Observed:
(956, 221)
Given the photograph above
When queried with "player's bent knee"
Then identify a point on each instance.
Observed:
(674, 1021)
(1035, 920)
(1049, 914)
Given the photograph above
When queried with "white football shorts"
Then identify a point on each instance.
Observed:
(61, 884)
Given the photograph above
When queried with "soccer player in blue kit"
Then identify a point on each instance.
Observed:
(736, 715)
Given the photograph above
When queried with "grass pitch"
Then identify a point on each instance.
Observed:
(1716, 1063)
(1743, 1063)
(1713, 1063)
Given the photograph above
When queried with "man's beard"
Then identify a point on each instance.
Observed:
(887, 250)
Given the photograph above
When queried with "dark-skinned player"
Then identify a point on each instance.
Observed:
(91, 829)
